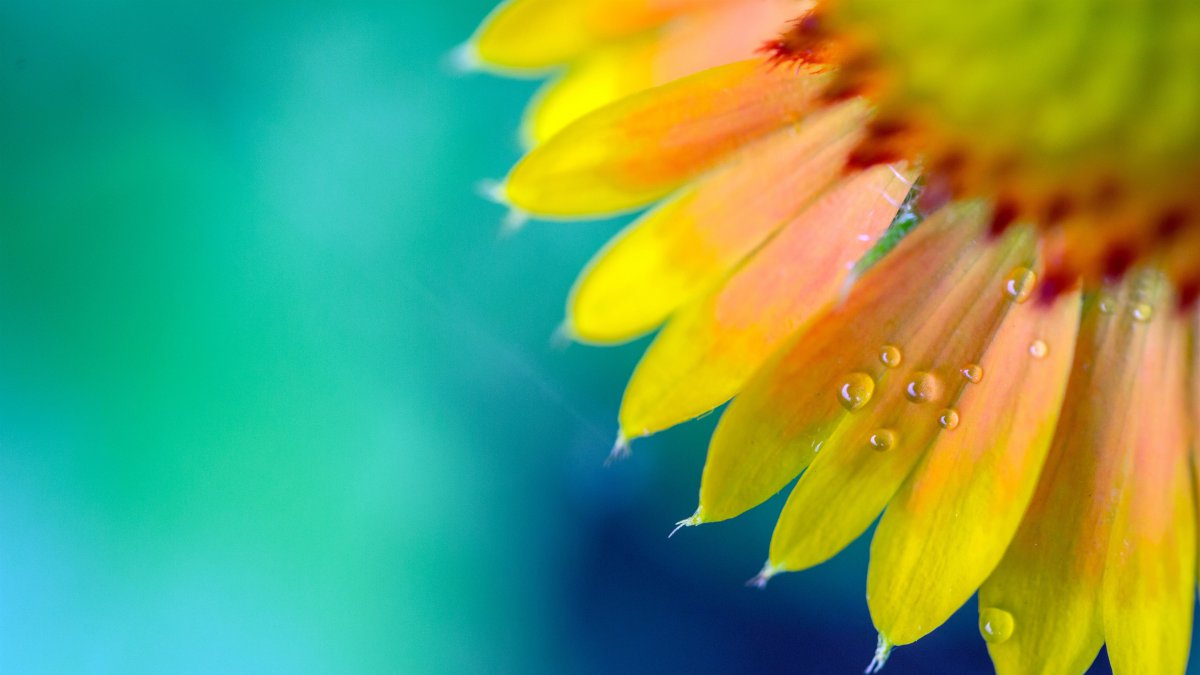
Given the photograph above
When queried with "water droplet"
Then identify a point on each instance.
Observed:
(1107, 304)
(1039, 349)
(923, 387)
(1143, 312)
(1019, 284)
(949, 418)
(973, 372)
(856, 391)
(996, 625)
(883, 440)
(890, 356)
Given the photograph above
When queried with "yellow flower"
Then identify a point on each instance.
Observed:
(1010, 383)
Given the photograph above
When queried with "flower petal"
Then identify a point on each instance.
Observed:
(947, 528)
(538, 34)
(1049, 583)
(635, 151)
(690, 242)
(1151, 570)
(706, 38)
(712, 346)
(868, 458)
(793, 406)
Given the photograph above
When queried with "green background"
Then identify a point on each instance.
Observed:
(277, 396)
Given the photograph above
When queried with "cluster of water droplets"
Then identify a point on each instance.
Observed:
(1018, 286)
(857, 389)
(1142, 312)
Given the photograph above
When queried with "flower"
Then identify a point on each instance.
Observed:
(1010, 382)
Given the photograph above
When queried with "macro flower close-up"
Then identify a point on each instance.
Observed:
(599, 336)
(938, 261)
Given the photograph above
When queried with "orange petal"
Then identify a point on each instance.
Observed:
(684, 246)
(802, 399)
(637, 150)
(1151, 570)
(703, 39)
(707, 352)
(1046, 591)
(1194, 373)
(947, 528)
(962, 305)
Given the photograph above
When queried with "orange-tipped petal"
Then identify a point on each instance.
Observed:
(538, 34)
(633, 152)
(1194, 375)
(828, 388)
(962, 304)
(947, 528)
(705, 38)
(1150, 576)
(687, 244)
(708, 351)
(1046, 592)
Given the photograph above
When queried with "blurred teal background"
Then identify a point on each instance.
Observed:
(275, 396)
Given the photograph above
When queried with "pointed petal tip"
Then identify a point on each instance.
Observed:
(563, 336)
(691, 521)
(761, 579)
(620, 450)
(495, 191)
(514, 221)
(464, 59)
(883, 651)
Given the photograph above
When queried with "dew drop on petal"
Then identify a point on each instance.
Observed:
(883, 440)
(1019, 284)
(1038, 349)
(973, 372)
(1143, 312)
(890, 356)
(996, 625)
(1106, 304)
(923, 387)
(948, 419)
(856, 391)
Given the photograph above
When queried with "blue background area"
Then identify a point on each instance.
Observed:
(276, 397)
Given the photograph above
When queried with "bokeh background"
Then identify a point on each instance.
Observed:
(277, 396)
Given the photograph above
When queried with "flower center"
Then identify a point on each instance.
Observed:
(1080, 115)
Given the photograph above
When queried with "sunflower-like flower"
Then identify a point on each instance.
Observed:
(942, 256)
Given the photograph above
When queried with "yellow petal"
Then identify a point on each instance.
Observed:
(1047, 588)
(711, 347)
(687, 244)
(794, 405)
(537, 34)
(1150, 575)
(602, 77)
(637, 150)
(534, 33)
(947, 528)
(703, 39)
(866, 459)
